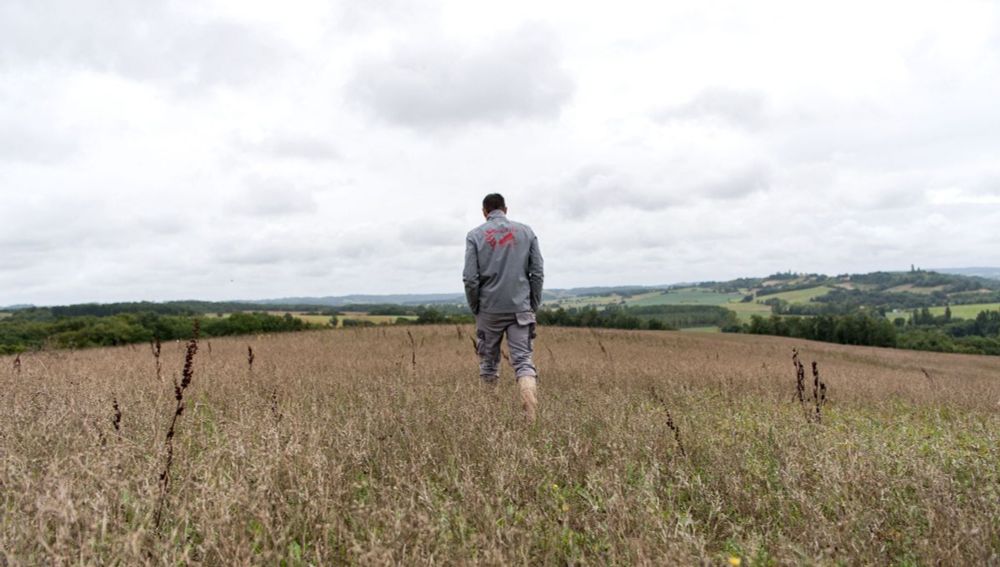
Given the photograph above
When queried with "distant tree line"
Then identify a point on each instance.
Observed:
(916, 278)
(18, 334)
(612, 317)
(923, 331)
(856, 329)
(968, 298)
(944, 333)
(189, 308)
(849, 300)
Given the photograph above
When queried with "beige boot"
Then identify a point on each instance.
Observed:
(489, 385)
(529, 396)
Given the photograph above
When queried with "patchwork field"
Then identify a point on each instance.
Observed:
(308, 318)
(379, 445)
(687, 296)
(701, 330)
(747, 310)
(374, 319)
(352, 315)
(915, 289)
(799, 295)
(587, 301)
(957, 311)
(966, 311)
(678, 296)
(697, 296)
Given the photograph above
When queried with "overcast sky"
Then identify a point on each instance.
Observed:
(252, 149)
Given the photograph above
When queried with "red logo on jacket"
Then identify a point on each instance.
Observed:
(499, 236)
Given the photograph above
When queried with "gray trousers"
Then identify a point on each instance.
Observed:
(520, 330)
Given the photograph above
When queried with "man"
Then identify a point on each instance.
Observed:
(503, 284)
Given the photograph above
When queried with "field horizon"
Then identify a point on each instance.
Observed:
(378, 445)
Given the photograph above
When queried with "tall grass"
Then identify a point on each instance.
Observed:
(337, 450)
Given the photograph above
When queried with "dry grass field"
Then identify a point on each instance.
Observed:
(650, 448)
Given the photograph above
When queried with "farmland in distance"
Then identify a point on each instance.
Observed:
(966, 311)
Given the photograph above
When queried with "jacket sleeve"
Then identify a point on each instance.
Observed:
(536, 273)
(470, 275)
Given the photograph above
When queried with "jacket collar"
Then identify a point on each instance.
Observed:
(495, 213)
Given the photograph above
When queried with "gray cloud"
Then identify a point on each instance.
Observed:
(312, 149)
(600, 188)
(312, 248)
(744, 109)
(31, 129)
(28, 143)
(431, 232)
(515, 76)
(358, 17)
(737, 183)
(145, 41)
(987, 185)
(294, 146)
(275, 245)
(592, 188)
(266, 253)
(270, 197)
(20, 251)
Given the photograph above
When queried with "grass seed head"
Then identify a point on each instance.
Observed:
(116, 416)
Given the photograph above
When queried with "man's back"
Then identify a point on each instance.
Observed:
(503, 283)
(503, 267)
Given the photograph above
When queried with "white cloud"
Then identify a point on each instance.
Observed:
(231, 149)
(266, 197)
(439, 84)
(145, 41)
(600, 188)
(306, 147)
(730, 107)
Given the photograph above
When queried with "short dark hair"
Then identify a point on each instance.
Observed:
(493, 201)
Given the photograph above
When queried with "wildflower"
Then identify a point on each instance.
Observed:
(735, 561)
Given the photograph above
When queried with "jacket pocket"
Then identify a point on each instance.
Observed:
(525, 318)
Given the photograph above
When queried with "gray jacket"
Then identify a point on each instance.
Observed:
(503, 267)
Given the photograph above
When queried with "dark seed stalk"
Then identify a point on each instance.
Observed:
(413, 349)
(186, 375)
(819, 393)
(156, 347)
(670, 420)
(116, 417)
(800, 376)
